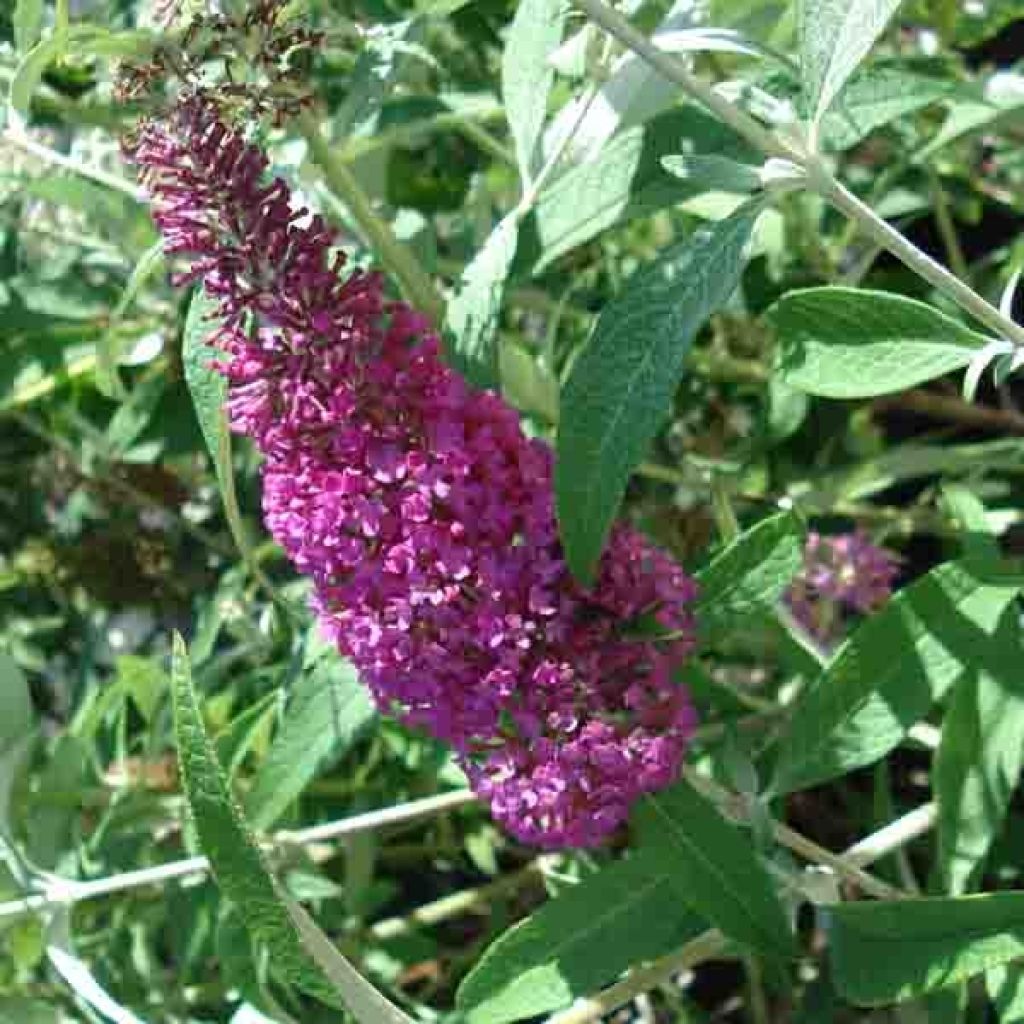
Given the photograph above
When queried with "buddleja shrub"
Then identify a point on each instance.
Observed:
(483, 524)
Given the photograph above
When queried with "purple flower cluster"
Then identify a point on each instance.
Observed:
(422, 512)
(843, 574)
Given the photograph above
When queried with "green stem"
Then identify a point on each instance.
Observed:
(819, 178)
(907, 253)
(947, 229)
(675, 71)
(414, 281)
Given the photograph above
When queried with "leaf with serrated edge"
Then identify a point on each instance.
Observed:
(622, 384)
(854, 343)
(238, 866)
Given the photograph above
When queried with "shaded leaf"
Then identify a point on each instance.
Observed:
(1005, 987)
(894, 950)
(712, 866)
(17, 716)
(980, 756)
(891, 670)
(582, 939)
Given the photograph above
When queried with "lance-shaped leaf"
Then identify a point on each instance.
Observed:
(299, 952)
(471, 319)
(889, 951)
(835, 36)
(750, 576)
(714, 869)
(526, 75)
(892, 669)
(327, 710)
(621, 387)
(980, 756)
(582, 939)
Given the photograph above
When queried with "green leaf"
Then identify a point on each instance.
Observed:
(17, 729)
(621, 387)
(365, 1002)
(327, 711)
(970, 517)
(892, 669)
(968, 117)
(108, 347)
(912, 462)
(16, 1010)
(52, 818)
(144, 680)
(876, 98)
(86, 41)
(235, 858)
(854, 343)
(208, 390)
(717, 173)
(206, 386)
(713, 868)
(626, 180)
(980, 757)
(28, 22)
(835, 36)
(29, 73)
(135, 414)
(622, 915)
(750, 575)
(526, 76)
(17, 716)
(86, 986)
(472, 314)
(890, 951)
(299, 951)
(1005, 986)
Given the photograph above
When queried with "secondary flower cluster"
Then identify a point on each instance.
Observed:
(422, 512)
(841, 575)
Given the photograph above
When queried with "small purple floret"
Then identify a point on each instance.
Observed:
(842, 574)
